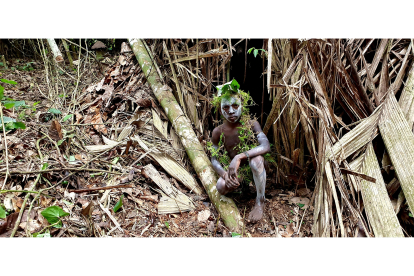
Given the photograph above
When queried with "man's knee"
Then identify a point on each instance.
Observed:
(257, 164)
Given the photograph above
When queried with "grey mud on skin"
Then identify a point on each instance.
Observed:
(231, 109)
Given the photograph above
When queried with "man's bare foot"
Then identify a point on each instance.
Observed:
(257, 213)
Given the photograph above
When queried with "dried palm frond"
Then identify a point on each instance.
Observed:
(172, 200)
(171, 166)
(399, 141)
(377, 203)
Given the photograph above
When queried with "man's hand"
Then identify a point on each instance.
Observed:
(230, 183)
(233, 167)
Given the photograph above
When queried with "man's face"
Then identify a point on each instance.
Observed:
(231, 108)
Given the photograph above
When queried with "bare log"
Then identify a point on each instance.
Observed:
(55, 49)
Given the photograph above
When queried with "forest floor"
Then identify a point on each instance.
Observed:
(91, 214)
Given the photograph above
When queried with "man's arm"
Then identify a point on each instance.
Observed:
(262, 148)
(215, 138)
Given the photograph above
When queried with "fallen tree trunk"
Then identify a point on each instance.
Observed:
(225, 206)
(55, 49)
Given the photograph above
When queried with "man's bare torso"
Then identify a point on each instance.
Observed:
(231, 136)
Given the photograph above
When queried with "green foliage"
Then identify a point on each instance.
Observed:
(235, 235)
(26, 67)
(301, 205)
(256, 51)
(14, 125)
(8, 81)
(12, 103)
(67, 117)
(409, 214)
(118, 204)
(167, 224)
(2, 88)
(7, 120)
(53, 215)
(2, 212)
(46, 234)
(54, 111)
(229, 89)
(10, 123)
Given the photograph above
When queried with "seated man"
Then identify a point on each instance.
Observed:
(231, 108)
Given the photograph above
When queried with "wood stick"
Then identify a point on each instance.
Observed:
(111, 217)
(60, 169)
(78, 191)
(204, 55)
(5, 146)
(363, 176)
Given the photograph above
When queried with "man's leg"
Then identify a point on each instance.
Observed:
(259, 177)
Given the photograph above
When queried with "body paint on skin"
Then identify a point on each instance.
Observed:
(231, 109)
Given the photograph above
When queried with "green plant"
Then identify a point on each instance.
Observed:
(53, 214)
(10, 123)
(67, 117)
(26, 67)
(55, 111)
(167, 225)
(235, 235)
(46, 234)
(2, 212)
(118, 204)
(229, 89)
(256, 51)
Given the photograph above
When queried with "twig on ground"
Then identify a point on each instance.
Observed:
(244, 221)
(111, 217)
(300, 225)
(276, 228)
(61, 169)
(19, 191)
(78, 191)
(16, 225)
(5, 146)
